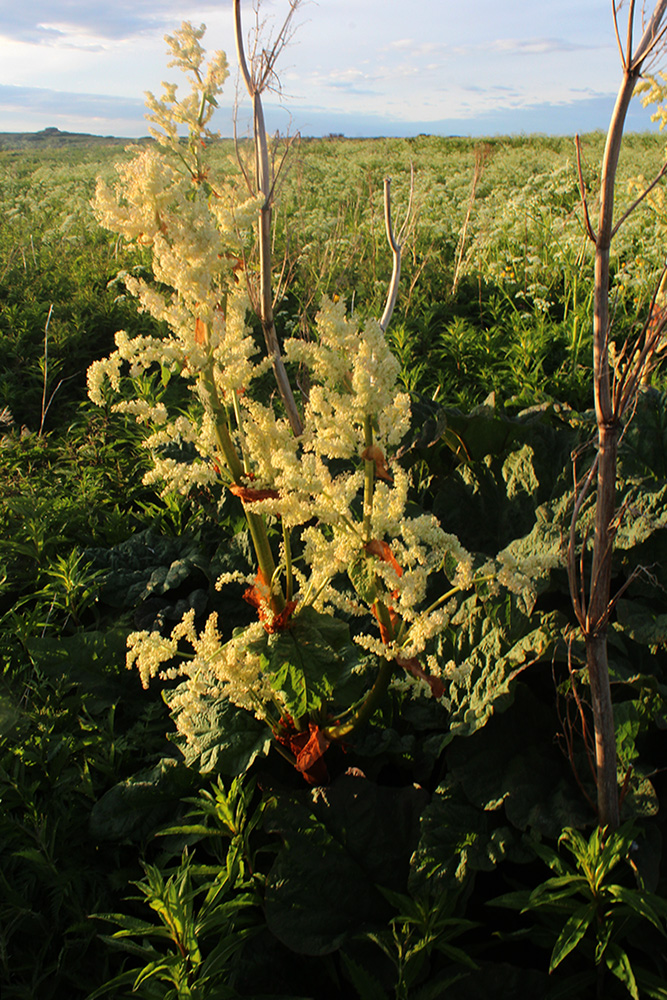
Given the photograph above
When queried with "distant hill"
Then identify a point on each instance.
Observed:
(50, 138)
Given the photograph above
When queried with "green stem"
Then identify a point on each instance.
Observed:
(256, 524)
(404, 631)
(367, 707)
(289, 579)
(239, 424)
(362, 714)
(369, 470)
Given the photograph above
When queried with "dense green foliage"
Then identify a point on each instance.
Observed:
(381, 881)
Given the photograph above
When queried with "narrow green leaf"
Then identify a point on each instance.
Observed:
(512, 900)
(366, 986)
(552, 859)
(124, 979)
(618, 964)
(572, 933)
(557, 889)
(652, 986)
(638, 902)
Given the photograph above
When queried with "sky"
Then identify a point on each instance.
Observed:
(357, 67)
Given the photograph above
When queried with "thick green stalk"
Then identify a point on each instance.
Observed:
(369, 473)
(289, 576)
(256, 524)
(367, 707)
(364, 712)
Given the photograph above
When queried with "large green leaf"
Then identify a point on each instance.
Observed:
(457, 839)
(363, 577)
(512, 763)
(414, 736)
(338, 843)
(647, 513)
(489, 647)
(222, 738)
(500, 981)
(642, 622)
(146, 565)
(643, 451)
(310, 662)
(515, 464)
(132, 809)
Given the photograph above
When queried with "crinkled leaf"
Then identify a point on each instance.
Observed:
(513, 763)
(235, 554)
(642, 622)
(363, 577)
(317, 923)
(144, 565)
(643, 450)
(346, 837)
(223, 738)
(378, 824)
(627, 723)
(366, 985)
(132, 809)
(514, 464)
(648, 514)
(490, 642)
(310, 661)
(456, 839)
(641, 798)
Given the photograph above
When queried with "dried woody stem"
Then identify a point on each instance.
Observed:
(257, 78)
(396, 244)
(611, 405)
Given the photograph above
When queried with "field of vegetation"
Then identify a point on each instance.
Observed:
(449, 845)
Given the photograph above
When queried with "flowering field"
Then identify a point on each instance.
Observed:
(331, 537)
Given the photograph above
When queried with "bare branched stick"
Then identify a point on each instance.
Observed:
(482, 155)
(631, 24)
(582, 190)
(639, 353)
(614, 7)
(568, 728)
(239, 160)
(652, 38)
(613, 398)
(656, 180)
